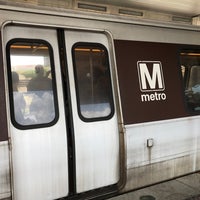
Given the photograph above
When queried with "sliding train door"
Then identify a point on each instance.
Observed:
(63, 122)
(93, 107)
(37, 127)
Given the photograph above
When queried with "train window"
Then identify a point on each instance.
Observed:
(190, 67)
(32, 85)
(93, 82)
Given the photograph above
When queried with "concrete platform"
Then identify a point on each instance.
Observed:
(184, 188)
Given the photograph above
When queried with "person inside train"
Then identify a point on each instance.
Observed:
(41, 92)
(40, 82)
(18, 100)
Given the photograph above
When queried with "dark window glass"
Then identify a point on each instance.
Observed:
(31, 73)
(93, 81)
(190, 67)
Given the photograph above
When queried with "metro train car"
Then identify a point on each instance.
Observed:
(93, 105)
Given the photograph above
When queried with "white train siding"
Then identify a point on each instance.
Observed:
(4, 171)
(167, 158)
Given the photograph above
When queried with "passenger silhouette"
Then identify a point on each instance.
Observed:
(18, 101)
(40, 81)
(42, 104)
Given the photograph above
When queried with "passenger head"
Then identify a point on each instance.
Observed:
(15, 80)
(15, 77)
(39, 70)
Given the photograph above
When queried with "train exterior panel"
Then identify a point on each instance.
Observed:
(159, 112)
(117, 108)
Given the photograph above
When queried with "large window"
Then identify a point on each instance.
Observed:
(93, 82)
(32, 83)
(190, 67)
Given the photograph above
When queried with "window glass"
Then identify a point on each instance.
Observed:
(32, 96)
(93, 81)
(190, 68)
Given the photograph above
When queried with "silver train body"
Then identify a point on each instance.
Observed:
(121, 111)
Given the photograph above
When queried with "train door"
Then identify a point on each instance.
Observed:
(95, 120)
(37, 127)
(47, 162)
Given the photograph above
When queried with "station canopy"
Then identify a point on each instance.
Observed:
(184, 10)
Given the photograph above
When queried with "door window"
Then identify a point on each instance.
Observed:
(32, 83)
(93, 83)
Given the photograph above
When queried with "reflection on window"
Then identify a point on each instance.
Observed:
(93, 81)
(190, 67)
(31, 90)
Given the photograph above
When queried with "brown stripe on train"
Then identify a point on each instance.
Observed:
(135, 107)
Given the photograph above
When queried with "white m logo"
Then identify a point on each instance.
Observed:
(155, 79)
